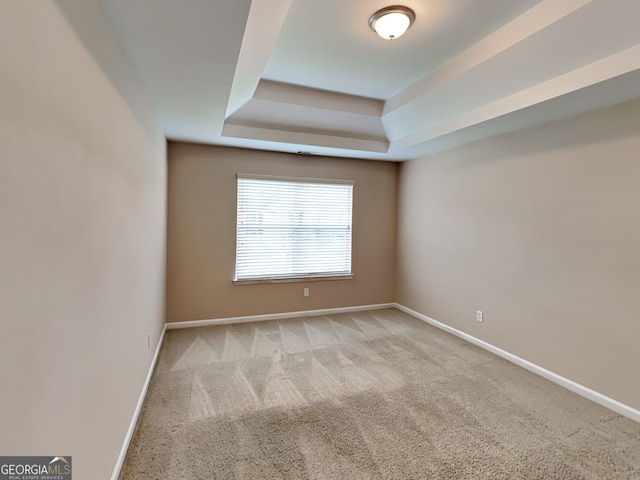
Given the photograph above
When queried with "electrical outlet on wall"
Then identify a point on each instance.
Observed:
(479, 316)
(148, 341)
(305, 292)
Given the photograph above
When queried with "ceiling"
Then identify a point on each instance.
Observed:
(310, 76)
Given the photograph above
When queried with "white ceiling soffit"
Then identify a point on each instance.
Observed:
(259, 39)
(283, 112)
(184, 53)
(290, 75)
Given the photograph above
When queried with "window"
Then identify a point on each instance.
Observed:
(291, 228)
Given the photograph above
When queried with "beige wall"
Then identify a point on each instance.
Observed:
(541, 230)
(202, 230)
(82, 215)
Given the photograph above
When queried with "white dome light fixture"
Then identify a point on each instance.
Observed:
(391, 22)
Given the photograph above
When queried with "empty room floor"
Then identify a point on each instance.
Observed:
(367, 395)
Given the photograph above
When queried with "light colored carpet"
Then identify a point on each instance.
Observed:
(370, 395)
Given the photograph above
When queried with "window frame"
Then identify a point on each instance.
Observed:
(295, 278)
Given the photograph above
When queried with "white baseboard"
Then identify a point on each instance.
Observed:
(134, 420)
(581, 390)
(276, 316)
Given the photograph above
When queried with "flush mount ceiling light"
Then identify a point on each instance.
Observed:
(391, 22)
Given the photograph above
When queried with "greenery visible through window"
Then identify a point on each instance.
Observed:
(292, 228)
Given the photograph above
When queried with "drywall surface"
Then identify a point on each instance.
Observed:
(539, 230)
(82, 242)
(202, 234)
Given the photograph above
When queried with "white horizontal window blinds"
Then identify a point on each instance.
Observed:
(289, 228)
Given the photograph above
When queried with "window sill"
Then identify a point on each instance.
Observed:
(306, 278)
